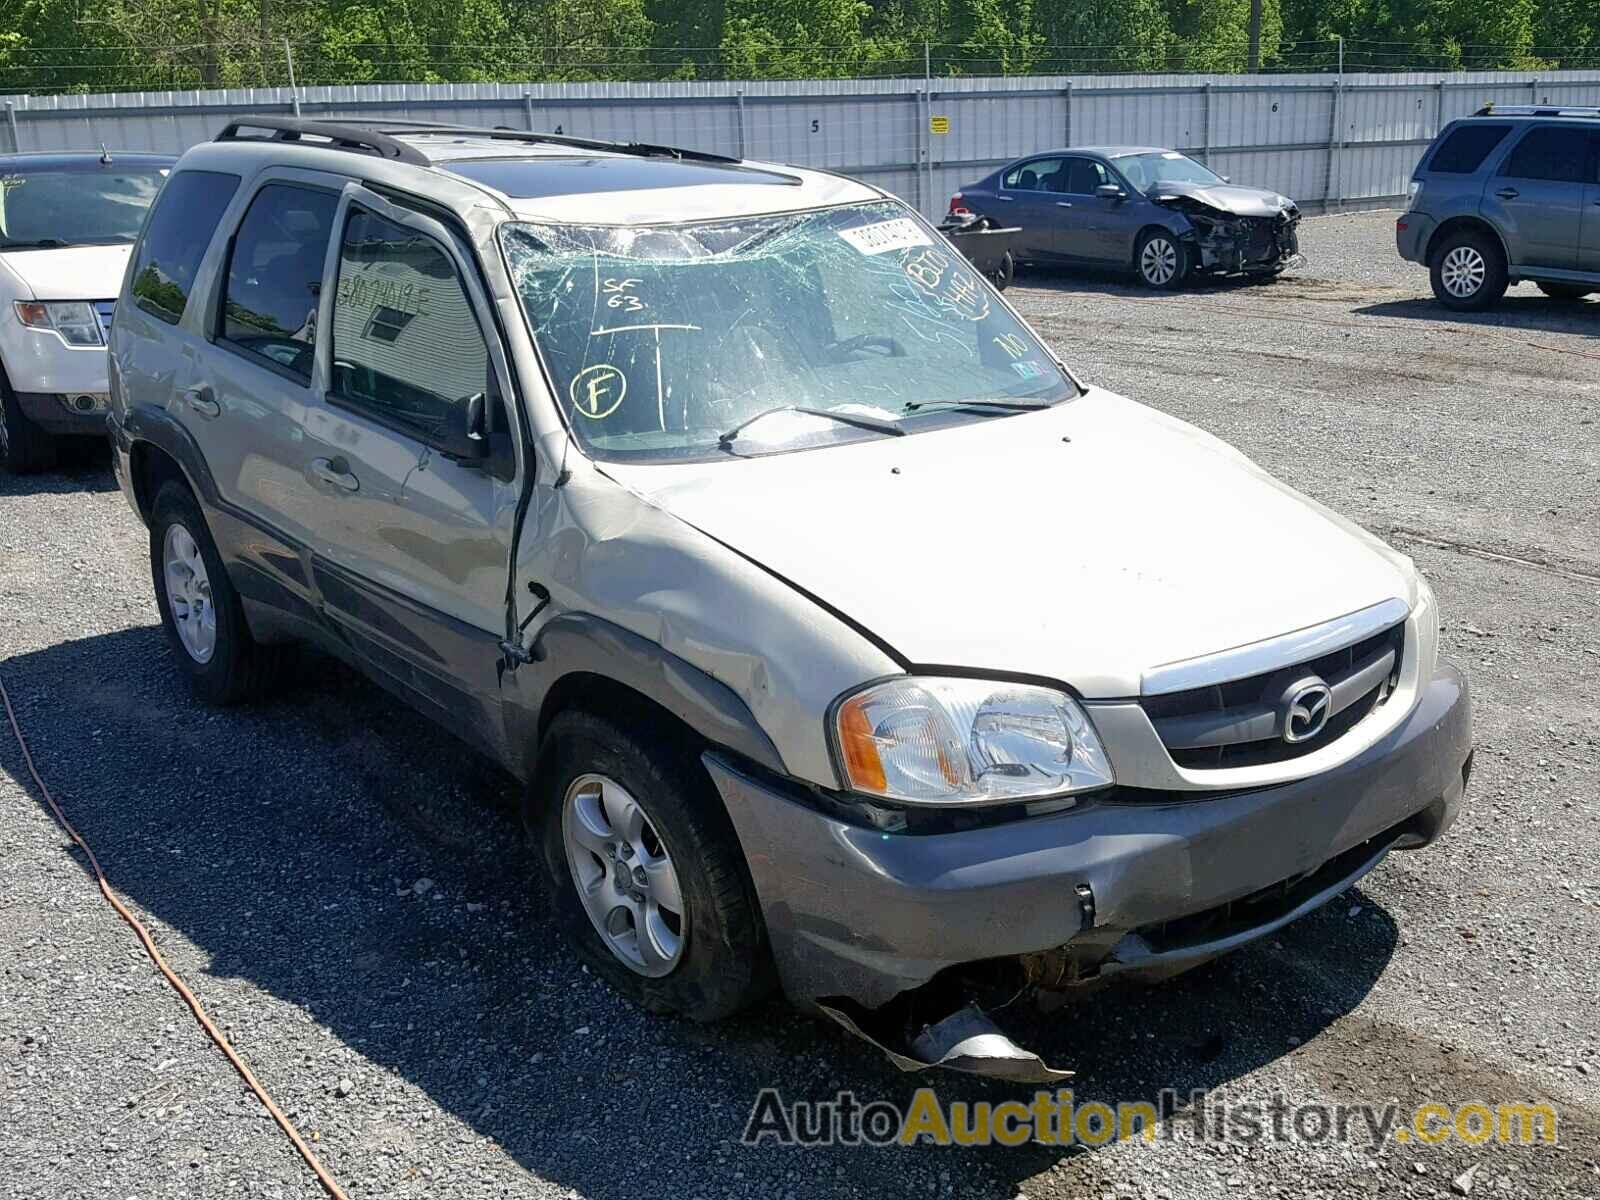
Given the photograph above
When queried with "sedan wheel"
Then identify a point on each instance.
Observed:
(625, 877)
(1161, 260)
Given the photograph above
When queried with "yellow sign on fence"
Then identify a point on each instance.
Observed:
(938, 124)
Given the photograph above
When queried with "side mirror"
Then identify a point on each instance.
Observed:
(465, 435)
(1225, 178)
(1111, 191)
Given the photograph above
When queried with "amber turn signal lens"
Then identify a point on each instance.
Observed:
(859, 749)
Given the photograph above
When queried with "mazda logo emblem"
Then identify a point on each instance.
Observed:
(1306, 710)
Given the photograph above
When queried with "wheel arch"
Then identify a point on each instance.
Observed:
(1462, 223)
(587, 663)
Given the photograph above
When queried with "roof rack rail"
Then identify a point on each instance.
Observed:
(1536, 110)
(358, 138)
(504, 133)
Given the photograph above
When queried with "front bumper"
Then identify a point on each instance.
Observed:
(1412, 232)
(82, 413)
(862, 914)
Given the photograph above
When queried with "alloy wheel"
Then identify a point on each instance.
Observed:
(189, 593)
(624, 875)
(1159, 261)
(1463, 272)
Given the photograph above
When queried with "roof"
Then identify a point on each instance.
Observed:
(541, 176)
(86, 160)
(1102, 151)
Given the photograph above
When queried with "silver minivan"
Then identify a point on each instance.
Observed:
(843, 638)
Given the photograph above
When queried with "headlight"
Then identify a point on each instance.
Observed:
(74, 320)
(966, 741)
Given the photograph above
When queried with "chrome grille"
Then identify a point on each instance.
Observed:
(1241, 723)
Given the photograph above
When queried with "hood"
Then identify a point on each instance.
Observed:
(71, 273)
(1000, 546)
(1228, 198)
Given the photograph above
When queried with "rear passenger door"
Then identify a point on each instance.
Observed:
(247, 401)
(1537, 197)
(1027, 201)
(412, 549)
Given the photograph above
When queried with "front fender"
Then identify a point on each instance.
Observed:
(579, 644)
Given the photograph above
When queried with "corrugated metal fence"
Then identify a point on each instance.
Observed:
(1327, 140)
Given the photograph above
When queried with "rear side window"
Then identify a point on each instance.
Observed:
(1466, 146)
(407, 348)
(269, 302)
(180, 229)
(1033, 176)
(1555, 152)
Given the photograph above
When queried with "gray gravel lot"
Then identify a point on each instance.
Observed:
(276, 851)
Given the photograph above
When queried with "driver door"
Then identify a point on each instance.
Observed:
(411, 551)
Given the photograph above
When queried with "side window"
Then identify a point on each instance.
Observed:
(1465, 147)
(186, 215)
(407, 347)
(1033, 176)
(1555, 152)
(1084, 175)
(270, 296)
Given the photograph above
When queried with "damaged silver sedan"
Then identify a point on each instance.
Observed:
(845, 640)
(1155, 212)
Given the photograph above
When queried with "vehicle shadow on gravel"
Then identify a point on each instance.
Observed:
(82, 465)
(336, 863)
(1124, 283)
(1532, 312)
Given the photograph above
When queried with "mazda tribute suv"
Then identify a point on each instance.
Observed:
(844, 640)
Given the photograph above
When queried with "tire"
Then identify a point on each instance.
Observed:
(1468, 271)
(1565, 291)
(589, 768)
(24, 447)
(1005, 272)
(236, 667)
(1162, 270)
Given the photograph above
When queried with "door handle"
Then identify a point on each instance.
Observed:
(1063, 203)
(1508, 193)
(203, 402)
(1007, 199)
(335, 471)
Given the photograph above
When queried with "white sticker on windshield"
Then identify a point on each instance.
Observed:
(885, 236)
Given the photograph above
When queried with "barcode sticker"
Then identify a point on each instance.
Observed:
(885, 236)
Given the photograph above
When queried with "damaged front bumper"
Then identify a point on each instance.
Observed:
(1137, 887)
(1246, 245)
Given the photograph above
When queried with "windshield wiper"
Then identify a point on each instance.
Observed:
(36, 244)
(1011, 405)
(874, 423)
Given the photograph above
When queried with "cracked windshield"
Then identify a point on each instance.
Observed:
(770, 333)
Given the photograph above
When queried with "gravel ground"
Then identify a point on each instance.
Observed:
(345, 889)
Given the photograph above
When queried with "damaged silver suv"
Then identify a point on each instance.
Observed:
(844, 640)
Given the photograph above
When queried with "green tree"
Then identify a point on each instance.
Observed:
(1103, 35)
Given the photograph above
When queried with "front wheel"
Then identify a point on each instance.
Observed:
(24, 447)
(643, 869)
(1468, 272)
(1161, 260)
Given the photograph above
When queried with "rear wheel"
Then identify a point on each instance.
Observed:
(24, 447)
(1468, 271)
(200, 609)
(1565, 291)
(1161, 260)
(1005, 272)
(643, 869)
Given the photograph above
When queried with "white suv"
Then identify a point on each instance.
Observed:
(842, 637)
(67, 222)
